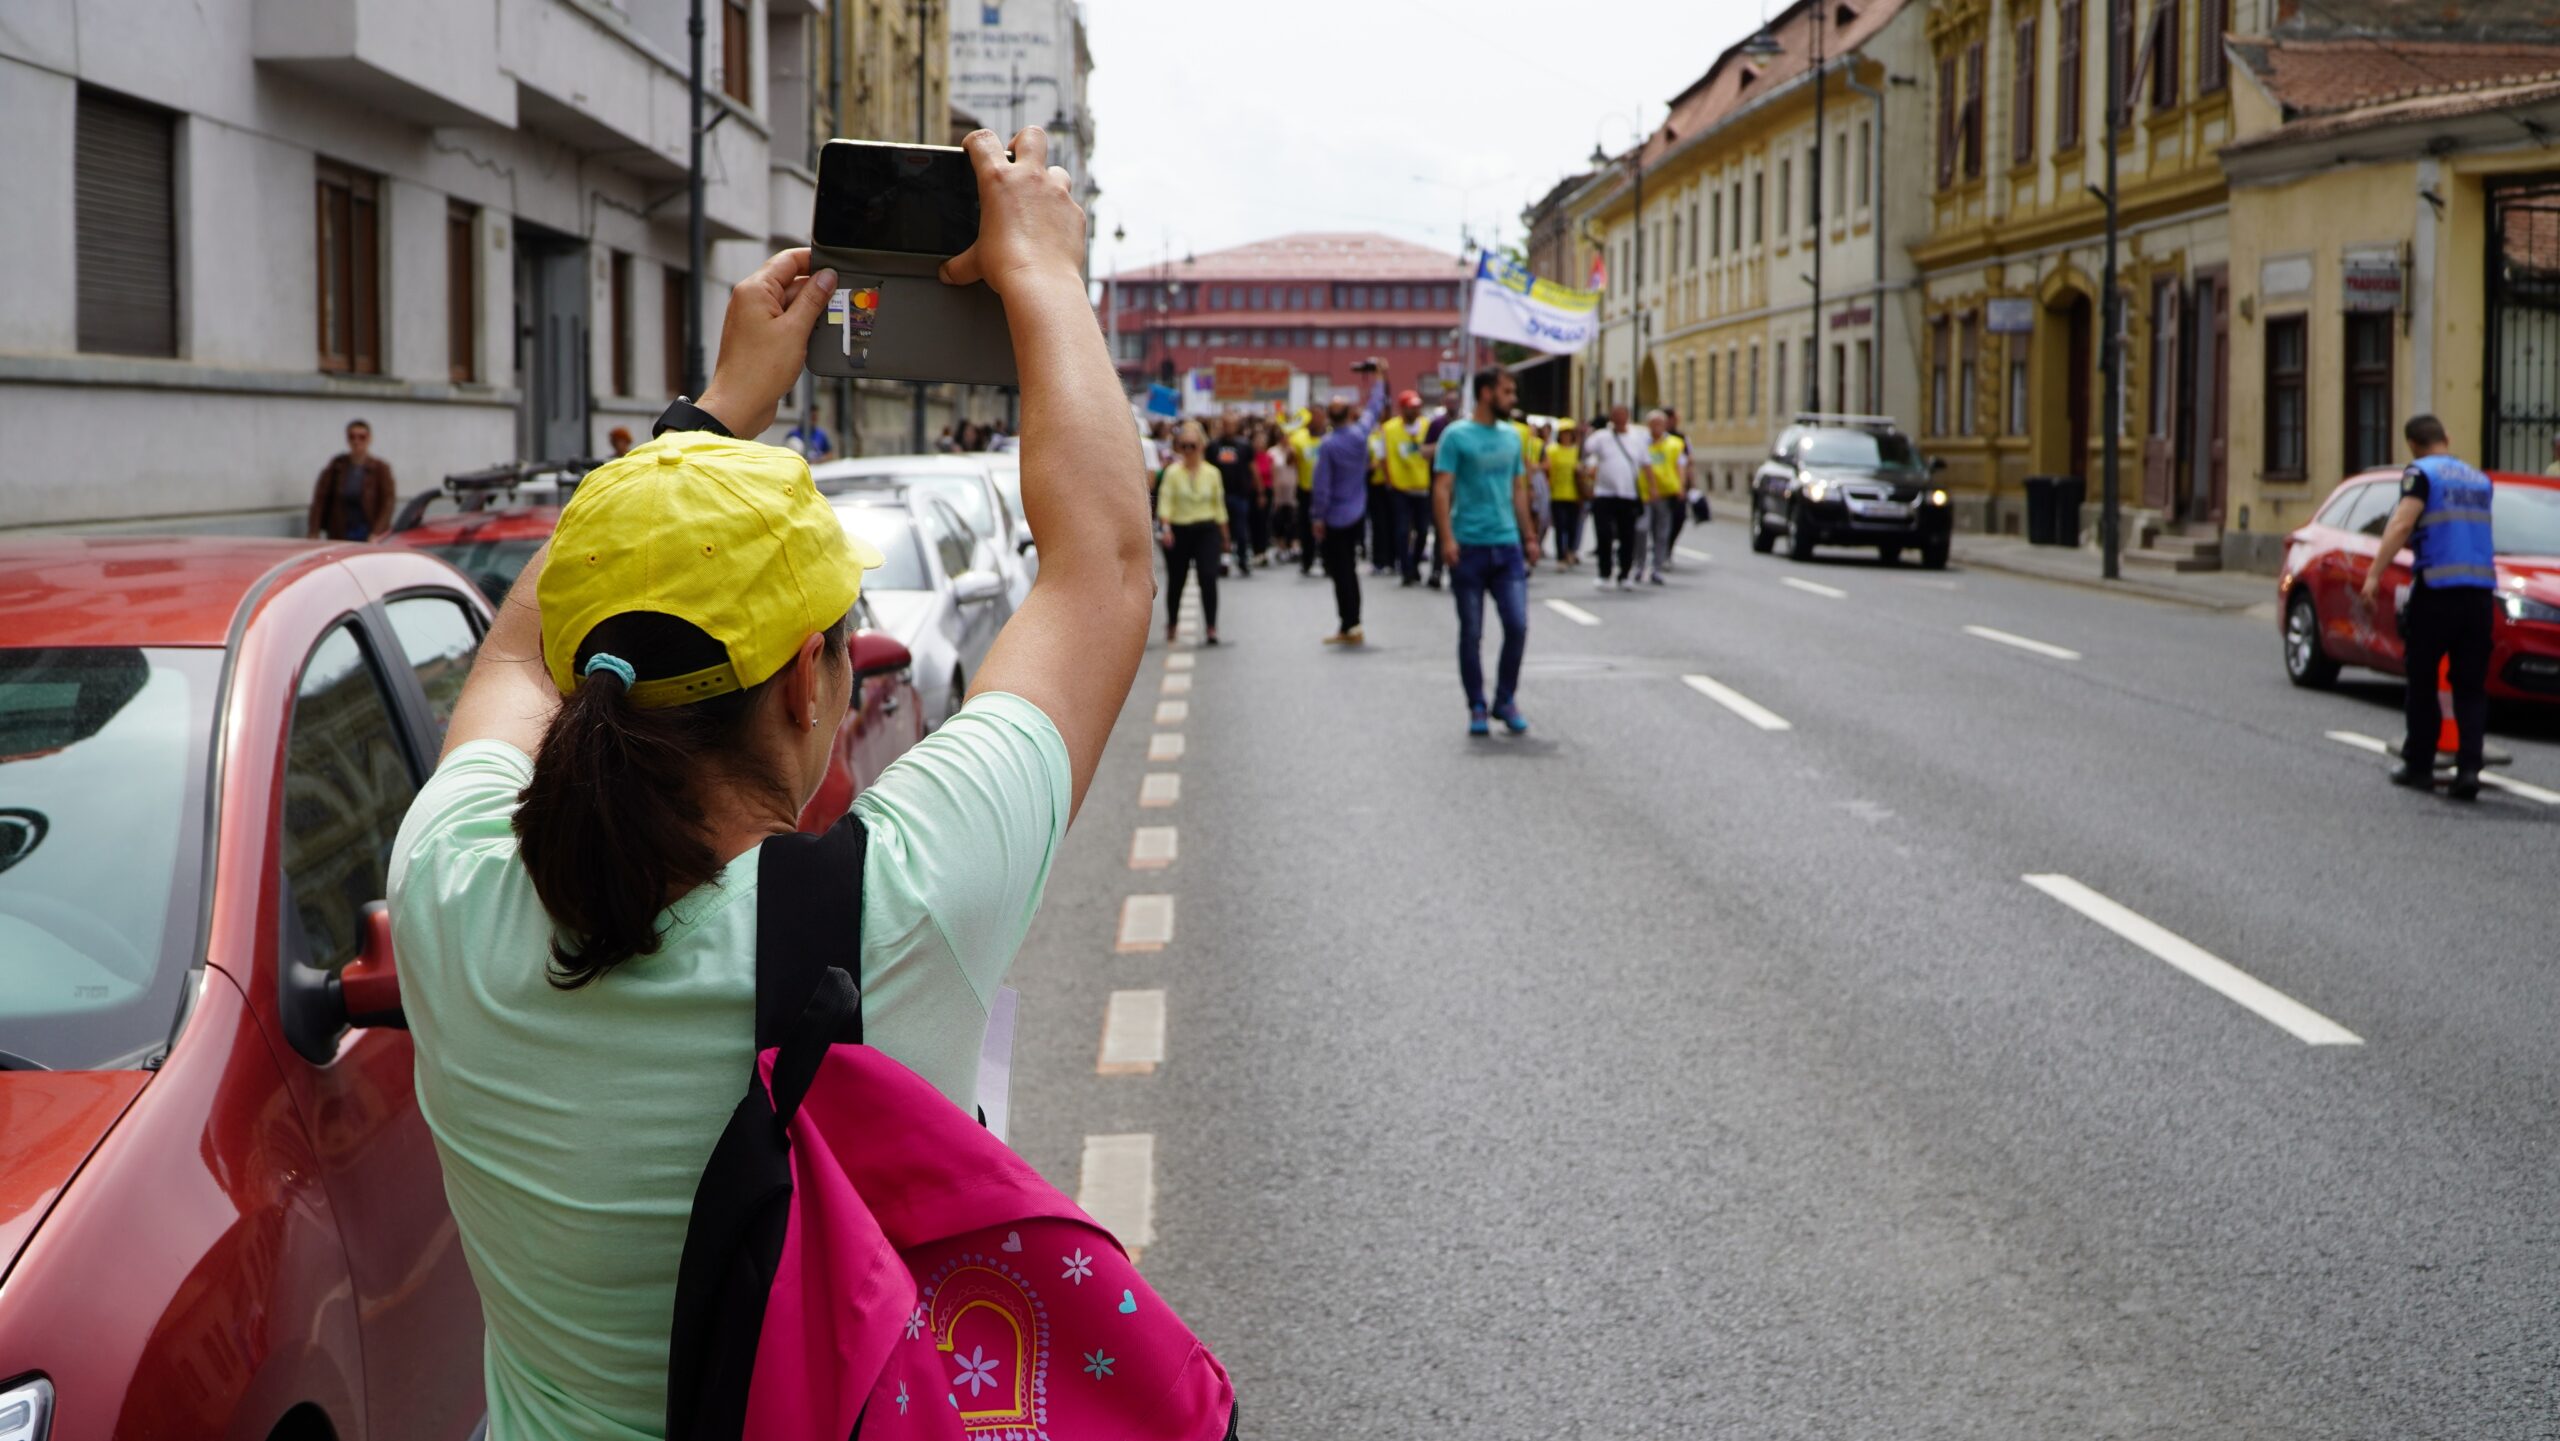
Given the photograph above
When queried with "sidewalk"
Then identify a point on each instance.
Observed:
(2080, 565)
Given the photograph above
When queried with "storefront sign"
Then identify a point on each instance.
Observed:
(1854, 315)
(2284, 275)
(2010, 315)
(2370, 283)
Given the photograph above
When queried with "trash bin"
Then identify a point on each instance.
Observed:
(2040, 530)
(2070, 492)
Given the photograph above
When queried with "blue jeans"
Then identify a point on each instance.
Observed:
(1501, 570)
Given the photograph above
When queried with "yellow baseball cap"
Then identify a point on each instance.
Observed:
(730, 535)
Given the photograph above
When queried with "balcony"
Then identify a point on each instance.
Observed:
(434, 64)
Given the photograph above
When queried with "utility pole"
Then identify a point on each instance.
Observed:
(2118, 71)
(1821, 137)
(924, 136)
(694, 238)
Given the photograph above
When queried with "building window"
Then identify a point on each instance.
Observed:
(1217, 297)
(1711, 387)
(1946, 121)
(1759, 182)
(1968, 365)
(350, 280)
(1755, 378)
(1973, 111)
(1938, 376)
(2120, 60)
(2160, 54)
(2016, 412)
(2022, 96)
(1778, 376)
(1840, 178)
(462, 292)
(1737, 217)
(2212, 70)
(1866, 377)
(1866, 188)
(2066, 75)
(1404, 297)
(1812, 373)
(675, 287)
(733, 50)
(2164, 348)
(1813, 185)
(1732, 363)
(1786, 187)
(125, 221)
(2288, 370)
(1715, 218)
(2368, 392)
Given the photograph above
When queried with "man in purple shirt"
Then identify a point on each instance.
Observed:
(1341, 498)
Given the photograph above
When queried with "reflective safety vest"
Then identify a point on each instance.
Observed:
(2453, 541)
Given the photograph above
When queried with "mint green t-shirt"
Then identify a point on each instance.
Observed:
(573, 1125)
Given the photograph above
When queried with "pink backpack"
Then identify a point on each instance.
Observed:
(866, 1260)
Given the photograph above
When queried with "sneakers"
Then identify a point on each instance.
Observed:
(1657, 577)
(1600, 582)
(1626, 582)
(1512, 720)
(1345, 637)
(1476, 725)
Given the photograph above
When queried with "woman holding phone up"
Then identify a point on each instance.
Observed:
(573, 894)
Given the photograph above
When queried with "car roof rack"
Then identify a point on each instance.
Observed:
(472, 491)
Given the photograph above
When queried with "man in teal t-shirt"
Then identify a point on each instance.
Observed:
(1480, 495)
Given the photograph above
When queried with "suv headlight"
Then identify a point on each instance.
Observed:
(26, 1411)
(2516, 603)
(1817, 491)
(1937, 497)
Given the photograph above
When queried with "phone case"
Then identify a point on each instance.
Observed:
(892, 318)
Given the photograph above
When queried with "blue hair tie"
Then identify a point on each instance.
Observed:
(614, 663)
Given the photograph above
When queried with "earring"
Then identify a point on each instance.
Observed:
(813, 717)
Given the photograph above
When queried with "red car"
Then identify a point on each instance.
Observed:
(491, 546)
(220, 1212)
(2326, 625)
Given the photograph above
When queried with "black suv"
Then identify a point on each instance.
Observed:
(1849, 480)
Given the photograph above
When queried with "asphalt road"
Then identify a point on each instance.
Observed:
(1661, 1075)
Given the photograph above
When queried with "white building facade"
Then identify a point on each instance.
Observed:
(238, 224)
(1024, 62)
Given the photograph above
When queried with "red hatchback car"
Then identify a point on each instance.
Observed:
(2327, 626)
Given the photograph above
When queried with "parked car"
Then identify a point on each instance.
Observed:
(220, 1211)
(1005, 467)
(926, 592)
(1850, 480)
(967, 483)
(2327, 626)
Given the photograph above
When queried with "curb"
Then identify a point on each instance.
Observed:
(2144, 589)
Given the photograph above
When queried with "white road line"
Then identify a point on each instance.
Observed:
(1165, 746)
(2300, 1021)
(1685, 553)
(1736, 702)
(1176, 683)
(1152, 848)
(2021, 642)
(1146, 923)
(1172, 712)
(1118, 1188)
(1181, 660)
(1572, 612)
(1132, 1034)
(2526, 789)
(1814, 587)
(1160, 789)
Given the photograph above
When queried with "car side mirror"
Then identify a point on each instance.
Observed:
(1937, 463)
(368, 987)
(875, 654)
(977, 585)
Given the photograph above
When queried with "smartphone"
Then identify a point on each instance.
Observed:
(887, 216)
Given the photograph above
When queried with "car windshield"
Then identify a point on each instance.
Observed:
(102, 774)
(1857, 450)
(894, 536)
(2525, 520)
(493, 565)
(967, 494)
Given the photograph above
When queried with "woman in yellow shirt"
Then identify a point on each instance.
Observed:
(1191, 520)
(1564, 495)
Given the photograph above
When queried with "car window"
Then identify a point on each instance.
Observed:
(2373, 509)
(2340, 506)
(493, 565)
(1785, 444)
(967, 496)
(1859, 449)
(438, 640)
(346, 784)
(944, 532)
(902, 564)
(2525, 520)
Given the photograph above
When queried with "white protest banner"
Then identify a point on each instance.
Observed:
(1511, 304)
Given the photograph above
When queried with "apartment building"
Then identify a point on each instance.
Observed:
(237, 225)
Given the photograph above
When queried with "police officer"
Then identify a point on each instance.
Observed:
(2445, 504)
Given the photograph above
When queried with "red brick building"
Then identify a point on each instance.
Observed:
(1317, 301)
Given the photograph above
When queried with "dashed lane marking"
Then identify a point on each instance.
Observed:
(2002, 637)
(1814, 587)
(1132, 1034)
(1165, 746)
(1685, 553)
(1736, 702)
(1172, 712)
(1176, 683)
(2296, 1019)
(1117, 1188)
(1160, 789)
(1152, 848)
(1146, 923)
(2525, 789)
(1572, 612)
(1181, 660)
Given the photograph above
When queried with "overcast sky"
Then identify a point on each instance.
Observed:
(1225, 121)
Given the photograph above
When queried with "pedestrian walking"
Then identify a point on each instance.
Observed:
(1278, 470)
(1408, 485)
(1302, 454)
(355, 494)
(2444, 505)
(1480, 496)
(574, 894)
(1666, 480)
(1339, 502)
(1533, 455)
(1232, 454)
(1191, 513)
(1612, 475)
(1381, 521)
(1564, 496)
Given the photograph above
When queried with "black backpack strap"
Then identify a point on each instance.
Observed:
(808, 920)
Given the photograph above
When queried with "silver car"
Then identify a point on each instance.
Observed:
(966, 484)
(930, 592)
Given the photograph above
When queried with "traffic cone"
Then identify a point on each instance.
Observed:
(2448, 735)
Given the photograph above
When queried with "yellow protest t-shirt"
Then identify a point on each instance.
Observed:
(1662, 468)
(1408, 469)
(1302, 446)
(1564, 477)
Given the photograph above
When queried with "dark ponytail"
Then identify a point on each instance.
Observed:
(611, 828)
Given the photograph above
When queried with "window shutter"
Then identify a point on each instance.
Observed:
(127, 227)
(2067, 70)
(2162, 55)
(2022, 96)
(1973, 111)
